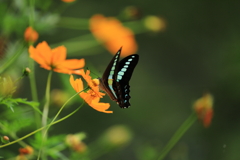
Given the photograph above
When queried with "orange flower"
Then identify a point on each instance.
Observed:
(30, 35)
(26, 151)
(74, 141)
(204, 109)
(68, 1)
(92, 83)
(113, 34)
(92, 96)
(54, 59)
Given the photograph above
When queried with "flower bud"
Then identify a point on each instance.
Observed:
(7, 87)
(117, 135)
(26, 71)
(74, 141)
(5, 139)
(30, 35)
(131, 12)
(154, 23)
(204, 109)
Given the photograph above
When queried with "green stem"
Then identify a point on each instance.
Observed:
(12, 134)
(136, 26)
(74, 23)
(32, 15)
(33, 87)
(45, 114)
(31, 65)
(47, 100)
(60, 110)
(12, 59)
(26, 136)
(178, 134)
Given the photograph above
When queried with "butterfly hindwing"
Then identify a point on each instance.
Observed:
(123, 76)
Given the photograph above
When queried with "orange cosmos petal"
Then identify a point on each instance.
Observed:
(55, 59)
(76, 84)
(78, 71)
(44, 52)
(73, 63)
(129, 46)
(63, 70)
(59, 54)
(39, 58)
(113, 34)
(94, 102)
(101, 107)
(95, 87)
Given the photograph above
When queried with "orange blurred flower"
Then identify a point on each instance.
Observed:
(113, 34)
(54, 59)
(30, 35)
(68, 1)
(204, 109)
(91, 96)
(26, 151)
(74, 141)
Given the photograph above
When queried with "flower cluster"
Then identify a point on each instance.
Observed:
(91, 96)
(55, 59)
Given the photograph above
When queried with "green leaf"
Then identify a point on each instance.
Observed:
(11, 103)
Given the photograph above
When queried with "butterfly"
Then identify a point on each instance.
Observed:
(115, 79)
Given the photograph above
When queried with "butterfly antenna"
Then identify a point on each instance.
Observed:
(92, 72)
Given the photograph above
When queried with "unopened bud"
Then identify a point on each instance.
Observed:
(30, 35)
(74, 141)
(5, 139)
(117, 135)
(204, 109)
(26, 71)
(154, 23)
(131, 12)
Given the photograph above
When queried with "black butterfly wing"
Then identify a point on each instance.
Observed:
(123, 76)
(108, 81)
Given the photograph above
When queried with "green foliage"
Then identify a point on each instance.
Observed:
(147, 151)
(13, 122)
(11, 103)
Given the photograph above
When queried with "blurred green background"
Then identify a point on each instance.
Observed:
(198, 52)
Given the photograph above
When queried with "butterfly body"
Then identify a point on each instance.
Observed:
(115, 80)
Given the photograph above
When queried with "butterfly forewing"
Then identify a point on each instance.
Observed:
(108, 78)
(123, 76)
